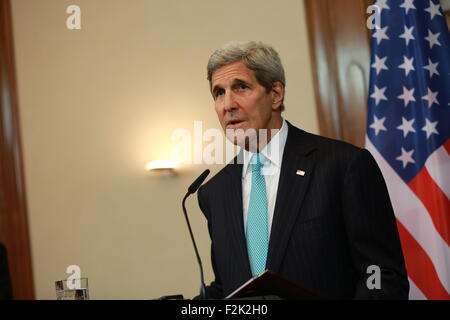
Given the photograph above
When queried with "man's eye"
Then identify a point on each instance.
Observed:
(218, 93)
(243, 87)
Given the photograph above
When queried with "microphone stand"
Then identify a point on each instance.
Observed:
(202, 280)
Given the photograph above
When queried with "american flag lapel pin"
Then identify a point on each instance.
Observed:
(300, 173)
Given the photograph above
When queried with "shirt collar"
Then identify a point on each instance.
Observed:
(272, 152)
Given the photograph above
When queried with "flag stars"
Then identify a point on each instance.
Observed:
(380, 34)
(408, 5)
(431, 97)
(382, 4)
(430, 128)
(434, 10)
(378, 125)
(406, 157)
(407, 35)
(407, 65)
(378, 95)
(432, 68)
(407, 96)
(406, 126)
(433, 39)
(380, 64)
(417, 42)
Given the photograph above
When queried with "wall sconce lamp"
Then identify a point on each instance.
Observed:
(167, 167)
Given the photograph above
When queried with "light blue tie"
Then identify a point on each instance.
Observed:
(257, 226)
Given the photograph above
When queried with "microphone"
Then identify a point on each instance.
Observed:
(193, 189)
(196, 184)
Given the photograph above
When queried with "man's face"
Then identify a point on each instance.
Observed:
(241, 102)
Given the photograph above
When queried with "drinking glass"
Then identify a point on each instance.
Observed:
(73, 289)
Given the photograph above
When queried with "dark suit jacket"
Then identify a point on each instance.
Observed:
(328, 225)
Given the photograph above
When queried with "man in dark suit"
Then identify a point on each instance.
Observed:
(314, 210)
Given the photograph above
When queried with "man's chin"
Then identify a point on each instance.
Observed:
(238, 141)
(234, 138)
(246, 139)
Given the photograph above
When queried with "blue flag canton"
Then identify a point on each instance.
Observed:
(409, 93)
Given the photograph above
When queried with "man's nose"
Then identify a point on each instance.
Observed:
(229, 101)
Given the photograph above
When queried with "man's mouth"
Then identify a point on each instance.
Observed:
(234, 123)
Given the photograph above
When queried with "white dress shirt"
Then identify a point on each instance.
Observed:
(273, 154)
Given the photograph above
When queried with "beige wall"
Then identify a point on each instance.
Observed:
(99, 103)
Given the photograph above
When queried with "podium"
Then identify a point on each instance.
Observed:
(267, 286)
(271, 286)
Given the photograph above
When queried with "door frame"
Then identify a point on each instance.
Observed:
(14, 232)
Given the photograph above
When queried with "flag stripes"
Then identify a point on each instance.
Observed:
(434, 200)
(417, 224)
(419, 264)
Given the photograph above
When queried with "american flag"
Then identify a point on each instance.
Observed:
(408, 133)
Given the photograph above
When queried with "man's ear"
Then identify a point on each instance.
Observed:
(277, 94)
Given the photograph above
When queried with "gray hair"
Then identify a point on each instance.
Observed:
(257, 56)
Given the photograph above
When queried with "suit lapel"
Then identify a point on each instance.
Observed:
(235, 216)
(298, 155)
